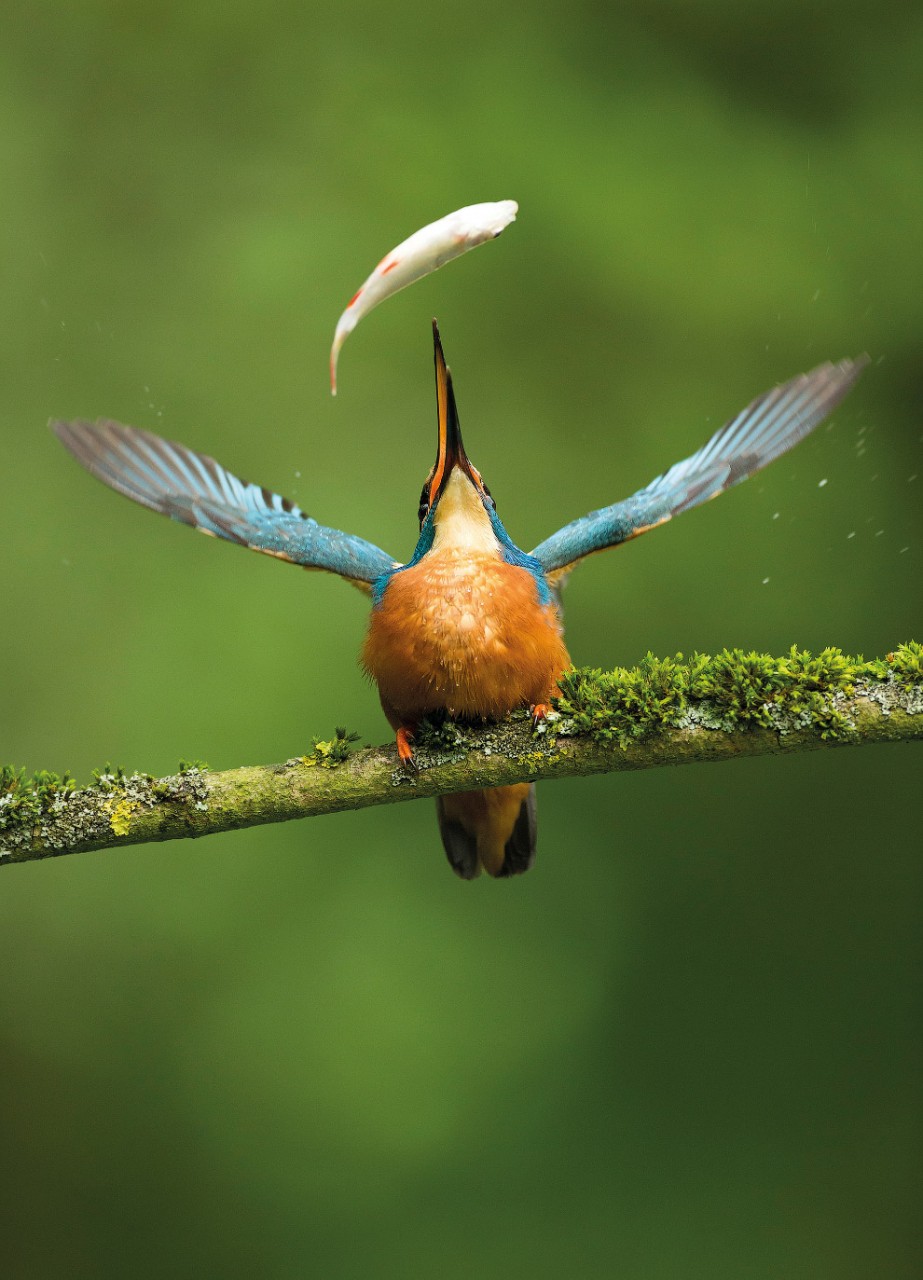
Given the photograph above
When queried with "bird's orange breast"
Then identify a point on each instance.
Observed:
(465, 633)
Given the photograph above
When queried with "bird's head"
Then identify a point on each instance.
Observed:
(456, 507)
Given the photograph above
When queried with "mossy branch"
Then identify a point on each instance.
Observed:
(665, 711)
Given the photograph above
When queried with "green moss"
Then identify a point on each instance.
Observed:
(49, 812)
(743, 686)
(795, 691)
(627, 703)
(906, 663)
(732, 690)
(333, 752)
(439, 734)
(110, 777)
(23, 800)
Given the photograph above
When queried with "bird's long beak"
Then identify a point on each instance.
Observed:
(451, 449)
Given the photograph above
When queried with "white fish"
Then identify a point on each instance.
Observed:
(425, 251)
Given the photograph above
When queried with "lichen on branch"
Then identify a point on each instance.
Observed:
(732, 690)
(664, 711)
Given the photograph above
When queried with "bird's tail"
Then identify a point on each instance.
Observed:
(493, 829)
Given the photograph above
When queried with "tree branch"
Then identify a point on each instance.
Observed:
(663, 712)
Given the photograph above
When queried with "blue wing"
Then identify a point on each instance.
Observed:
(773, 423)
(196, 490)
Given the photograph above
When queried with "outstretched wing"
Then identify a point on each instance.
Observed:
(773, 423)
(196, 490)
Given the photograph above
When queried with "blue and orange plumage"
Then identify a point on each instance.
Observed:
(470, 625)
(468, 628)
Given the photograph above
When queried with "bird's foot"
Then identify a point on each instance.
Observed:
(539, 711)
(404, 738)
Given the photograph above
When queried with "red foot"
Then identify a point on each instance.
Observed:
(539, 711)
(404, 738)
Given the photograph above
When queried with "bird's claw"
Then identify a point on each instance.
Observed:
(539, 711)
(404, 738)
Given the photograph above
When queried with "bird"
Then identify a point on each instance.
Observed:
(470, 626)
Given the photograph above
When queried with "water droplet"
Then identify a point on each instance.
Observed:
(850, 535)
(821, 483)
(775, 515)
(765, 580)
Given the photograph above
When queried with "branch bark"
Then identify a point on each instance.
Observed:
(53, 818)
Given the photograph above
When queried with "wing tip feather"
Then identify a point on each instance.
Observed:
(769, 426)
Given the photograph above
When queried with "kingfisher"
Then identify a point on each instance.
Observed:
(470, 626)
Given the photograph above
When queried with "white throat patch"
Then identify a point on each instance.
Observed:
(461, 522)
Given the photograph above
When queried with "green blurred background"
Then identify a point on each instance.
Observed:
(688, 1044)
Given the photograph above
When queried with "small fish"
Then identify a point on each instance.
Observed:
(426, 250)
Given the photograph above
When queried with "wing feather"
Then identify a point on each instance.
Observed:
(773, 423)
(198, 491)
